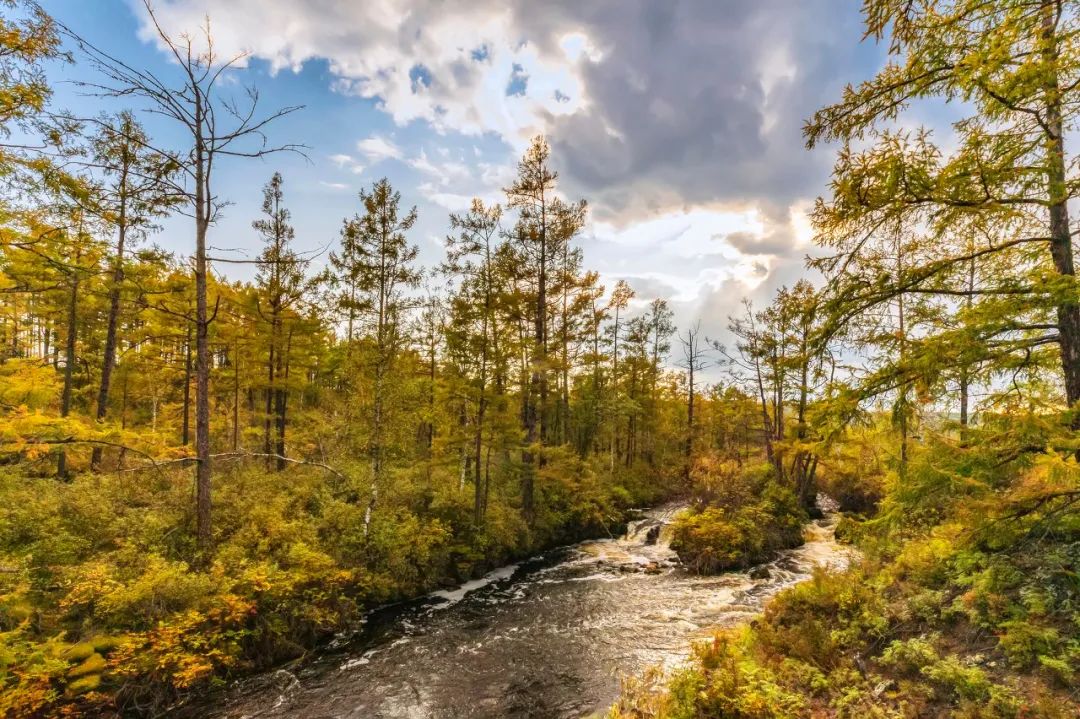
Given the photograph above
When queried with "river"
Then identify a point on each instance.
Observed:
(547, 638)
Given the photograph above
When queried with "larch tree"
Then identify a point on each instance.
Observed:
(694, 361)
(661, 325)
(544, 224)
(381, 265)
(215, 127)
(136, 190)
(471, 256)
(617, 305)
(1015, 64)
(282, 285)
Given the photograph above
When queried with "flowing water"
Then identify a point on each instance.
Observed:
(546, 638)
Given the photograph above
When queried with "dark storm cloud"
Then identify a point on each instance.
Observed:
(699, 102)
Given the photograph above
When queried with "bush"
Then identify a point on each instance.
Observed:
(103, 609)
(755, 519)
(966, 604)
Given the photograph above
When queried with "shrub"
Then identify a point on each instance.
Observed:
(757, 518)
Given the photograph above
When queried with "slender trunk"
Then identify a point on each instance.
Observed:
(69, 361)
(203, 469)
(376, 447)
(614, 440)
(236, 400)
(690, 417)
(563, 414)
(281, 399)
(481, 410)
(537, 393)
(487, 478)
(429, 425)
(903, 390)
(802, 472)
(595, 429)
(766, 423)
(109, 359)
(268, 412)
(964, 378)
(185, 431)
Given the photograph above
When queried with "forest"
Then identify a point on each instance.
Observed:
(204, 478)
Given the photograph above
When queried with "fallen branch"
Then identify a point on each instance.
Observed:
(76, 440)
(279, 457)
(241, 455)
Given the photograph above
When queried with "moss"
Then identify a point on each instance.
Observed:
(103, 644)
(93, 664)
(85, 684)
(79, 652)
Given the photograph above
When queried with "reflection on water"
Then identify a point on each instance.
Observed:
(548, 638)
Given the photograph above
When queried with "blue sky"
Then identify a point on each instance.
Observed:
(679, 122)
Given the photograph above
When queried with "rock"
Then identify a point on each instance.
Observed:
(652, 568)
(760, 573)
(882, 687)
(652, 535)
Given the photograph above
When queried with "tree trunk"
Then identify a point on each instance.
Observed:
(69, 363)
(1061, 240)
(236, 400)
(281, 399)
(185, 432)
(481, 411)
(268, 413)
(690, 417)
(203, 469)
(109, 359)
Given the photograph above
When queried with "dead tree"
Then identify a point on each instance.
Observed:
(216, 126)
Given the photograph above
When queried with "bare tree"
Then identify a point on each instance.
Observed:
(216, 126)
(694, 360)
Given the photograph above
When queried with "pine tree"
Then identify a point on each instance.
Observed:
(282, 285)
(136, 191)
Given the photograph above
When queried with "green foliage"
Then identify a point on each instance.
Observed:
(99, 606)
(748, 517)
(965, 605)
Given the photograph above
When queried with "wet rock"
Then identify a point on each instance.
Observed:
(882, 687)
(652, 568)
(652, 535)
(760, 573)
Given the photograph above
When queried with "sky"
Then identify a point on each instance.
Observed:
(679, 122)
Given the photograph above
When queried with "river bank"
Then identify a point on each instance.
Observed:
(548, 637)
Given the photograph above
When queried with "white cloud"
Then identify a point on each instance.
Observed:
(679, 122)
(448, 64)
(378, 148)
(347, 162)
(677, 245)
(444, 172)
